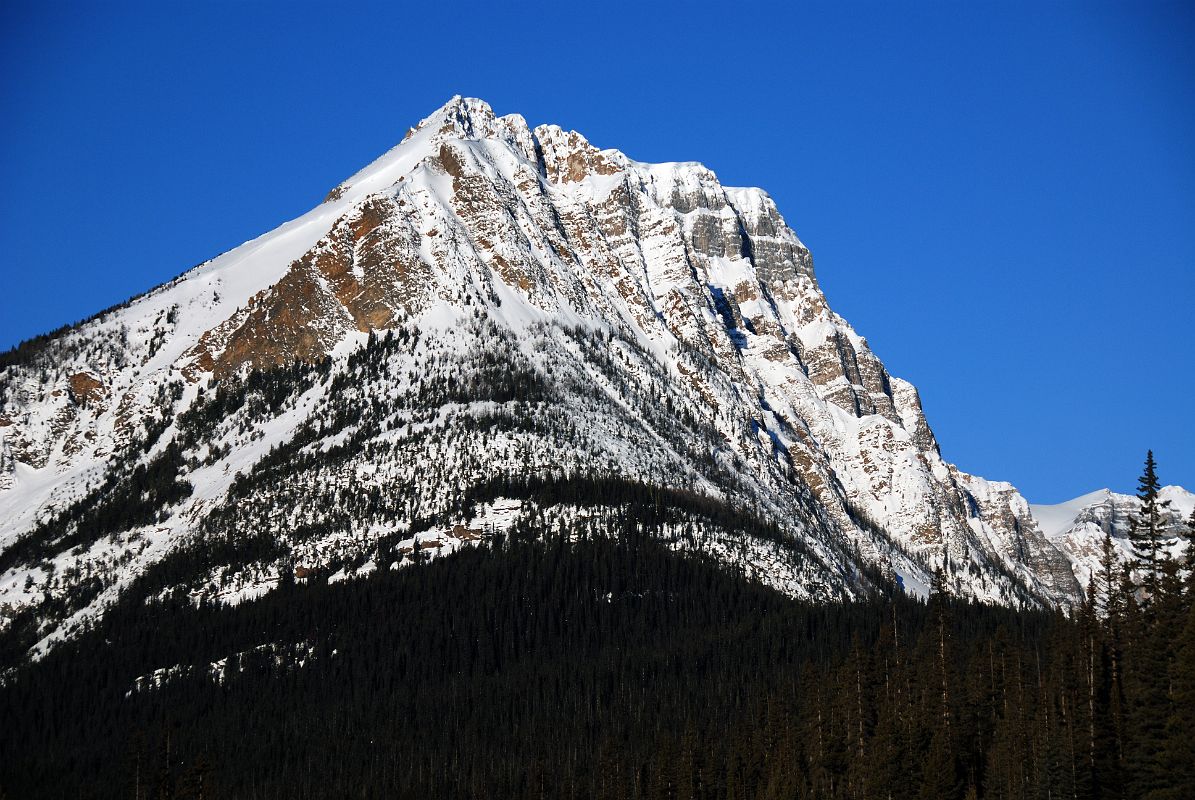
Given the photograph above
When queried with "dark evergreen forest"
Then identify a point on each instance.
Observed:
(542, 666)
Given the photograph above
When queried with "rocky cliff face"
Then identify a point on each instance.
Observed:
(484, 303)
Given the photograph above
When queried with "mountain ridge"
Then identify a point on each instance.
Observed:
(1077, 527)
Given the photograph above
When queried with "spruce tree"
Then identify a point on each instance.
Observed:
(1107, 578)
(1145, 532)
(1190, 554)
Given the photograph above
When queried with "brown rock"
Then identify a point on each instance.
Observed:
(86, 389)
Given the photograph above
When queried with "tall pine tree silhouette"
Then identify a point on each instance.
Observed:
(1145, 532)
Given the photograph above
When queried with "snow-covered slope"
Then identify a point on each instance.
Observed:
(1077, 527)
(486, 305)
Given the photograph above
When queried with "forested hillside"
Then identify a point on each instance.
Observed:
(579, 664)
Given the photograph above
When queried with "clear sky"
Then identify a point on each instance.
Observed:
(999, 195)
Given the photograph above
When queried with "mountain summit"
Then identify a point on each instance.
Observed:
(489, 328)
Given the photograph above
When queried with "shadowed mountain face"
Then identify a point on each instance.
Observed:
(489, 324)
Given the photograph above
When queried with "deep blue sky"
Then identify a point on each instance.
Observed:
(1000, 196)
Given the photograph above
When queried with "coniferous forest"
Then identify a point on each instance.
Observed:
(551, 665)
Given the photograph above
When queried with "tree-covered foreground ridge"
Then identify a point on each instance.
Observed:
(599, 660)
(517, 467)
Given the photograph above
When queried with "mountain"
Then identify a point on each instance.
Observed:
(1077, 527)
(488, 326)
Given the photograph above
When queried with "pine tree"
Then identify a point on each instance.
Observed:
(1145, 532)
(1190, 554)
(939, 601)
(940, 776)
(1107, 577)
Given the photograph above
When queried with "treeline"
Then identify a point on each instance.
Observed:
(609, 667)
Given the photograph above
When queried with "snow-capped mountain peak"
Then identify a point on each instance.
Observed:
(487, 305)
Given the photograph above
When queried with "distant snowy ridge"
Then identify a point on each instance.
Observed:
(1077, 527)
(485, 309)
